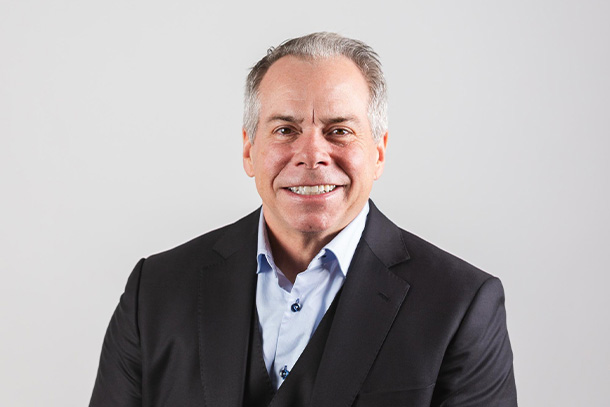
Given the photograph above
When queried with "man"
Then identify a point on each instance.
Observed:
(317, 299)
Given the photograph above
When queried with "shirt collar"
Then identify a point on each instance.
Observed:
(342, 247)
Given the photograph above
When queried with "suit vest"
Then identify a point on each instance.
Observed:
(297, 388)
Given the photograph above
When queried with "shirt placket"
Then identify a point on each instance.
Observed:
(291, 334)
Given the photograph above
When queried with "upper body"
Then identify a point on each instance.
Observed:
(404, 323)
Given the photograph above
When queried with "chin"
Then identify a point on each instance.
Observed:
(315, 224)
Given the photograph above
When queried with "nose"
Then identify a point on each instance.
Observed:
(312, 150)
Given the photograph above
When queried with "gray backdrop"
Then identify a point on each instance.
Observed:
(120, 126)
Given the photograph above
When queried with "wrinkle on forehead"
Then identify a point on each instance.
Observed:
(311, 106)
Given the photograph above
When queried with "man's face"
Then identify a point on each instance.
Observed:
(314, 159)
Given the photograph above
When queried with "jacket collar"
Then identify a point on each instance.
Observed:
(227, 287)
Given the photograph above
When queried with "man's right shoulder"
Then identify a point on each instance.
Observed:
(206, 249)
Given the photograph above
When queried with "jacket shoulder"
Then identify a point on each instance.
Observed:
(427, 254)
(441, 277)
(415, 258)
(206, 249)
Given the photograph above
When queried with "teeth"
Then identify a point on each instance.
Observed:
(312, 190)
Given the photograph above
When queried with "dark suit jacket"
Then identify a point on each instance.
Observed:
(414, 326)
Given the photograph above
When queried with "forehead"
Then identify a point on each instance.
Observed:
(326, 84)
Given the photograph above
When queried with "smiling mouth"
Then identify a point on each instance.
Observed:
(312, 190)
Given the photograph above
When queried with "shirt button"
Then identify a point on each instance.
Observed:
(284, 372)
(296, 307)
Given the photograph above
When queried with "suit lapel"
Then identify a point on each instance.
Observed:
(226, 305)
(371, 298)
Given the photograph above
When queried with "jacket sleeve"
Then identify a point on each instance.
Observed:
(477, 369)
(119, 377)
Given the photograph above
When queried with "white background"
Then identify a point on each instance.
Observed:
(120, 136)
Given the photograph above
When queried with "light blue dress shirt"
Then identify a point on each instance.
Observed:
(289, 314)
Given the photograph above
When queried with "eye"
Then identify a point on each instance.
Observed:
(284, 131)
(339, 132)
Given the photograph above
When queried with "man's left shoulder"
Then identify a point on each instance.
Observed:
(436, 263)
(425, 266)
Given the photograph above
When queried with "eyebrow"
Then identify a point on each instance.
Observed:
(284, 118)
(340, 119)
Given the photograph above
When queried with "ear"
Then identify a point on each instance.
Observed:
(381, 147)
(247, 157)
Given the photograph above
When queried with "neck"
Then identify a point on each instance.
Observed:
(292, 254)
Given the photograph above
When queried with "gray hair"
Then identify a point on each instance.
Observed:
(322, 45)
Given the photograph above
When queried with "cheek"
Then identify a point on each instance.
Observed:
(357, 164)
(270, 163)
